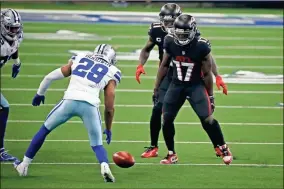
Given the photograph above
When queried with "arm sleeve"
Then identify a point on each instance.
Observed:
(205, 48)
(117, 77)
(54, 75)
(166, 45)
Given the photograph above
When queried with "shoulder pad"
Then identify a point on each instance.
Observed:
(203, 40)
(153, 27)
(156, 25)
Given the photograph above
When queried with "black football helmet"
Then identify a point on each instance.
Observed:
(169, 12)
(185, 29)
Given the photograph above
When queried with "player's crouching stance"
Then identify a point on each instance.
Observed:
(190, 56)
(89, 73)
(10, 39)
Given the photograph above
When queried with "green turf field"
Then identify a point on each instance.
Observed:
(249, 116)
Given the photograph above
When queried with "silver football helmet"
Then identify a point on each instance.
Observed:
(106, 52)
(11, 24)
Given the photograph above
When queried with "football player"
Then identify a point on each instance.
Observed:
(192, 80)
(90, 73)
(11, 37)
(157, 32)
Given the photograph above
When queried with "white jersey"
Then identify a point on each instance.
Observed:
(90, 75)
(8, 50)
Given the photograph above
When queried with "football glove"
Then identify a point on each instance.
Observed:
(15, 70)
(108, 135)
(139, 70)
(38, 99)
(154, 99)
(220, 83)
(212, 103)
(155, 96)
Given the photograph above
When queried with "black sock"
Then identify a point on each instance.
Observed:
(155, 124)
(214, 132)
(169, 133)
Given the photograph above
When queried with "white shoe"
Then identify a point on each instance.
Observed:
(106, 173)
(21, 168)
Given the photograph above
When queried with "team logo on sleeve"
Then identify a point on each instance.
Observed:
(158, 39)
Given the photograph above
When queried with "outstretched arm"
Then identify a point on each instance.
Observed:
(109, 93)
(59, 73)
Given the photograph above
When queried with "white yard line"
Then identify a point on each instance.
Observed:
(118, 56)
(144, 91)
(157, 164)
(151, 65)
(186, 106)
(73, 45)
(141, 141)
(147, 123)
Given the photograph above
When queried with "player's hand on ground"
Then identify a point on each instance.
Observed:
(220, 83)
(38, 99)
(139, 70)
(15, 70)
(212, 103)
(108, 135)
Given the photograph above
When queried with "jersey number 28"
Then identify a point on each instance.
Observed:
(94, 72)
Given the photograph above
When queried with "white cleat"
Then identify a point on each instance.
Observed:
(106, 173)
(21, 168)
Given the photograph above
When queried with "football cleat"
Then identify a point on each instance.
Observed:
(169, 159)
(225, 153)
(4, 156)
(21, 168)
(151, 151)
(106, 173)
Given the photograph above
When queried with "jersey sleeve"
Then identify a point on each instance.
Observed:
(115, 75)
(205, 47)
(150, 31)
(166, 44)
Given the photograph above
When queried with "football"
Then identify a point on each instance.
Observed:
(123, 159)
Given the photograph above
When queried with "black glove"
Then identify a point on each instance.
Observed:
(155, 97)
(212, 103)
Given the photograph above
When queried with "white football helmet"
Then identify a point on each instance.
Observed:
(106, 52)
(11, 24)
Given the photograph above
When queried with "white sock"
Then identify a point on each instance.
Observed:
(27, 160)
(171, 152)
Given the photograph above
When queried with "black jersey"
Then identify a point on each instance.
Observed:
(157, 34)
(187, 59)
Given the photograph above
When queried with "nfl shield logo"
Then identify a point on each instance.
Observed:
(183, 52)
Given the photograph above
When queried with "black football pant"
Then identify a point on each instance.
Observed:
(155, 122)
(199, 101)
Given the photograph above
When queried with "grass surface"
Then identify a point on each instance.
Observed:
(255, 134)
